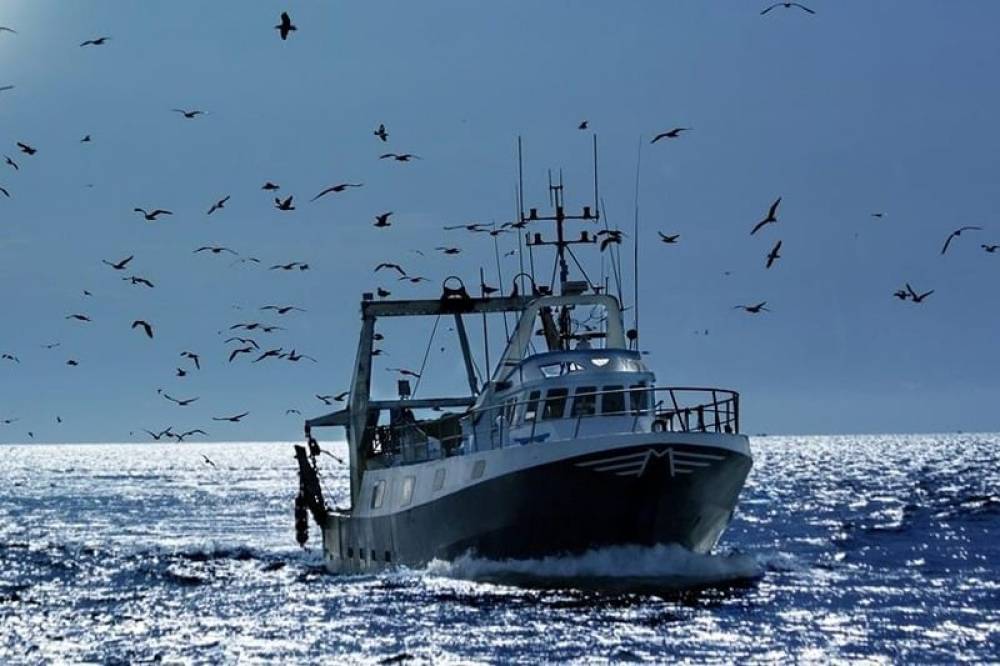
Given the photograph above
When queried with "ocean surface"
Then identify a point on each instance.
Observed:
(844, 549)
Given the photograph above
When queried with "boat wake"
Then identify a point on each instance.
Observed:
(617, 568)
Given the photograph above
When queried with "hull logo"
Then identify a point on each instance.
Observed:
(636, 464)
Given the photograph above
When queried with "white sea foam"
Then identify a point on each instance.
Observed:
(669, 566)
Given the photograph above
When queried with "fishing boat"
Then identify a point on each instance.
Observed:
(569, 444)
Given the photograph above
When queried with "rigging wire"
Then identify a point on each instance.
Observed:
(427, 352)
(635, 242)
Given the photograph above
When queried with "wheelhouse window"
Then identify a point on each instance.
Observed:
(551, 370)
(639, 398)
(555, 403)
(531, 407)
(584, 401)
(378, 495)
(406, 492)
(613, 400)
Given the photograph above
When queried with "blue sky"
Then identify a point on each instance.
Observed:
(863, 107)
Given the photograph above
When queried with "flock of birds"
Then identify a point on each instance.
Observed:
(242, 345)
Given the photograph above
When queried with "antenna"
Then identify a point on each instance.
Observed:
(635, 244)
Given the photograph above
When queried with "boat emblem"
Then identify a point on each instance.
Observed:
(636, 464)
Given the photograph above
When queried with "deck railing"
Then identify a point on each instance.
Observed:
(633, 409)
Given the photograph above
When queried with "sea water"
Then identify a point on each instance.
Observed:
(843, 549)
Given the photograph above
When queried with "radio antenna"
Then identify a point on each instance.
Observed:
(635, 243)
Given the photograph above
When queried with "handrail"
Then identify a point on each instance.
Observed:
(720, 405)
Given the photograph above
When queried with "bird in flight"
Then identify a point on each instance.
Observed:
(270, 353)
(771, 217)
(95, 42)
(915, 297)
(215, 249)
(269, 186)
(475, 227)
(208, 461)
(231, 419)
(244, 341)
(753, 309)
(292, 411)
(415, 279)
(383, 220)
(901, 294)
(448, 250)
(5, 192)
(218, 205)
(285, 26)
(381, 132)
(284, 205)
(668, 239)
(179, 436)
(583, 125)
(26, 149)
(295, 358)
(190, 115)
(10, 357)
(399, 157)
(336, 188)
(788, 5)
(404, 372)
(956, 234)
(158, 435)
(327, 399)
(878, 215)
(611, 237)
(388, 265)
(11, 162)
(78, 317)
(72, 363)
(773, 255)
(85, 139)
(194, 357)
(282, 309)
(119, 266)
(671, 134)
(151, 216)
(990, 248)
(136, 280)
(145, 327)
(182, 403)
(181, 372)
(4, 28)
(288, 267)
(240, 350)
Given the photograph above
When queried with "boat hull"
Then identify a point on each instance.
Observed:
(653, 492)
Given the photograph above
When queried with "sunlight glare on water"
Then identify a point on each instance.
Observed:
(843, 548)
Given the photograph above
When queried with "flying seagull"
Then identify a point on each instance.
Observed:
(336, 188)
(95, 42)
(26, 149)
(282, 309)
(270, 186)
(383, 220)
(231, 419)
(190, 115)
(381, 132)
(182, 403)
(11, 162)
(388, 265)
(215, 249)
(285, 26)
(78, 317)
(145, 326)
(671, 134)
(151, 215)
(284, 205)
(136, 280)
(668, 239)
(119, 266)
(583, 125)
(788, 5)
(956, 234)
(773, 255)
(990, 248)
(399, 157)
(194, 357)
(221, 203)
(753, 309)
(915, 297)
(771, 217)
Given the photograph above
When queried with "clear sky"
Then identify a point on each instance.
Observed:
(863, 107)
